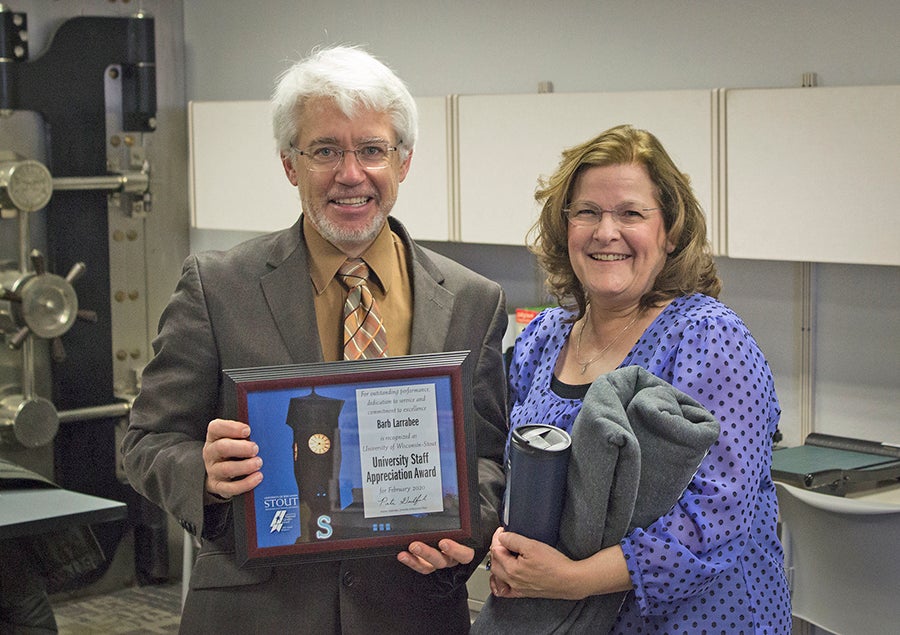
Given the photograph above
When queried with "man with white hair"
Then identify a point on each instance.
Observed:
(345, 128)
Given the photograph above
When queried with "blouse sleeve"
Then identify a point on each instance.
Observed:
(718, 363)
(527, 354)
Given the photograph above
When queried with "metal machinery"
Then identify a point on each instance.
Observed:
(63, 312)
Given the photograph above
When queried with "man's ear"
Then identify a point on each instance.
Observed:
(288, 163)
(404, 167)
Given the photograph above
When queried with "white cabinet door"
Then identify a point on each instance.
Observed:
(423, 203)
(814, 174)
(236, 180)
(238, 183)
(507, 141)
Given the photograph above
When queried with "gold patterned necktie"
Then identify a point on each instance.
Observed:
(364, 335)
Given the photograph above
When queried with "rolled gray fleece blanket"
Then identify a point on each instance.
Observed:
(636, 444)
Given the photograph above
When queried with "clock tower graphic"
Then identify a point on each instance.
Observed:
(314, 420)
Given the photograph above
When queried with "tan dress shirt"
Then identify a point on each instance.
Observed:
(390, 285)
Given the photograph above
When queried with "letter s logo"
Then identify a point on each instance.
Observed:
(324, 523)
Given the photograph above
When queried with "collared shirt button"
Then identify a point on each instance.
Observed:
(349, 579)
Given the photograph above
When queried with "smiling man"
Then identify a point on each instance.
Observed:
(346, 194)
(345, 128)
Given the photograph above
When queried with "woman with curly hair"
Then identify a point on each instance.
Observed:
(623, 242)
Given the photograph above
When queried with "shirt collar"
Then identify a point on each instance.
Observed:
(325, 259)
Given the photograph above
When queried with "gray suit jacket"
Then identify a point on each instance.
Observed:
(253, 306)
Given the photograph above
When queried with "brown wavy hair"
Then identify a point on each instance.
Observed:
(690, 267)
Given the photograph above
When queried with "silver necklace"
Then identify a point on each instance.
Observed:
(584, 365)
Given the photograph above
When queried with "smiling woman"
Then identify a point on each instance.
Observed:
(618, 255)
(623, 241)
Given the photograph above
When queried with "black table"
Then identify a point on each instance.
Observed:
(38, 510)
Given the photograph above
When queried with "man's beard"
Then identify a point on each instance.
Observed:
(338, 235)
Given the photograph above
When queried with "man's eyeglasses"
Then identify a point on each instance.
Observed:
(325, 158)
(582, 214)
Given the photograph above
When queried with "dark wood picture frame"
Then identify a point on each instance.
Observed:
(360, 458)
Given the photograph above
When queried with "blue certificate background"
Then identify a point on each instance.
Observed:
(267, 415)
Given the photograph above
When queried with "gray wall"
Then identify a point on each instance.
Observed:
(506, 46)
(234, 50)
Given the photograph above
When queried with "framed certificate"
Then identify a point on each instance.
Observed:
(360, 458)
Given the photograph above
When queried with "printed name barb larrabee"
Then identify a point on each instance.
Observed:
(381, 424)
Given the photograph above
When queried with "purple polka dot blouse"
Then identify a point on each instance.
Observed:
(713, 564)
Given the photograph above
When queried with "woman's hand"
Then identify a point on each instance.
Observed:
(525, 568)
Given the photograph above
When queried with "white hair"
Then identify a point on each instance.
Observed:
(352, 78)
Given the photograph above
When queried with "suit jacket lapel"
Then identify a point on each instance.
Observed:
(289, 293)
(433, 306)
(432, 302)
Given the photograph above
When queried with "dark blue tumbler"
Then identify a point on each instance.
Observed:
(536, 482)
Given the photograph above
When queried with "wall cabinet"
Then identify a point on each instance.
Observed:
(809, 174)
(238, 183)
(424, 202)
(507, 141)
(813, 174)
(475, 165)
